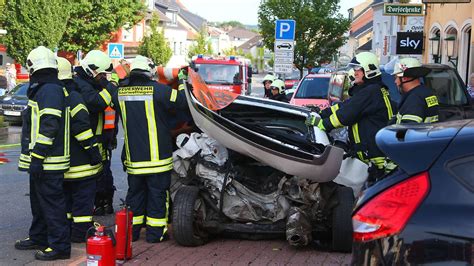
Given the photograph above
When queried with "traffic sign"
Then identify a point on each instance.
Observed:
(283, 68)
(285, 29)
(115, 50)
(402, 9)
(284, 46)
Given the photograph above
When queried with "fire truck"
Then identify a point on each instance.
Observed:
(224, 73)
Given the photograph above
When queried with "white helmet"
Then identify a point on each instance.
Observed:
(368, 62)
(96, 62)
(64, 68)
(40, 58)
(143, 63)
(269, 77)
(410, 67)
(279, 84)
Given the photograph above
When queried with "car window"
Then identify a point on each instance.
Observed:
(446, 85)
(219, 74)
(20, 90)
(463, 170)
(313, 88)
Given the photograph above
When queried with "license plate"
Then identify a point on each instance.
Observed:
(12, 113)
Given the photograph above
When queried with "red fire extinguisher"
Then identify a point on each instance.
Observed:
(101, 247)
(123, 232)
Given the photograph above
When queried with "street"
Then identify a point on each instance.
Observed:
(16, 218)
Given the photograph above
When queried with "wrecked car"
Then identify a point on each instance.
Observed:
(256, 171)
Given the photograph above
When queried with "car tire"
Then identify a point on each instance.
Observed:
(189, 211)
(342, 220)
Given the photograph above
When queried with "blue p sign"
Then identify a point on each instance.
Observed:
(285, 29)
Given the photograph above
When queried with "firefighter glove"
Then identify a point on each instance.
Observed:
(183, 75)
(114, 77)
(36, 168)
(95, 156)
(311, 120)
(321, 125)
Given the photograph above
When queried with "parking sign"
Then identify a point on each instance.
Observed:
(284, 46)
(285, 29)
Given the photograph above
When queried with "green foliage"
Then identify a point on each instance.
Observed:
(202, 45)
(2, 123)
(319, 27)
(231, 23)
(30, 23)
(67, 25)
(92, 22)
(155, 45)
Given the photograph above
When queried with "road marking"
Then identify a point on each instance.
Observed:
(9, 145)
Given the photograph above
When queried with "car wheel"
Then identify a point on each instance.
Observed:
(342, 220)
(189, 211)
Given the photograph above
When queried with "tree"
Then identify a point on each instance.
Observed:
(92, 22)
(319, 28)
(202, 45)
(231, 24)
(155, 46)
(30, 23)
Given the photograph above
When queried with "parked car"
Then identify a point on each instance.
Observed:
(292, 78)
(447, 85)
(289, 92)
(422, 213)
(312, 91)
(12, 103)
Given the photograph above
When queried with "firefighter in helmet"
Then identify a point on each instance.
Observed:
(418, 103)
(144, 106)
(277, 89)
(367, 111)
(96, 90)
(267, 82)
(86, 159)
(45, 155)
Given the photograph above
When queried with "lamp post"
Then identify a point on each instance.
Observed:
(451, 50)
(435, 48)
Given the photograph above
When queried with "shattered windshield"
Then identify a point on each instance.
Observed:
(219, 74)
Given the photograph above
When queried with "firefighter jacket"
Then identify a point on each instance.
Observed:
(45, 130)
(365, 113)
(419, 105)
(97, 99)
(279, 97)
(82, 138)
(144, 106)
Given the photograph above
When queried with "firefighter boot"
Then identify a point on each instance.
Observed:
(27, 243)
(99, 209)
(51, 254)
(108, 205)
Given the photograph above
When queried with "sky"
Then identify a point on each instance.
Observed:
(244, 11)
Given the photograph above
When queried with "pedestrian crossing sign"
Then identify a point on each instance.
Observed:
(115, 50)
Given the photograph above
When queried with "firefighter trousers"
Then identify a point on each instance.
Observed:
(105, 184)
(49, 226)
(148, 198)
(80, 206)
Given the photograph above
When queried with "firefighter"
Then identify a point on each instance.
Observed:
(86, 159)
(277, 90)
(418, 103)
(46, 156)
(367, 111)
(144, 106)
(267, 81)
(96, 90)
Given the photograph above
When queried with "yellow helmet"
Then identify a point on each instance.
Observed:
(64, 68)
(279, 84)
(143, 63)
(410, 67)
(367, 61)
(40, 58)
(96, 62)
